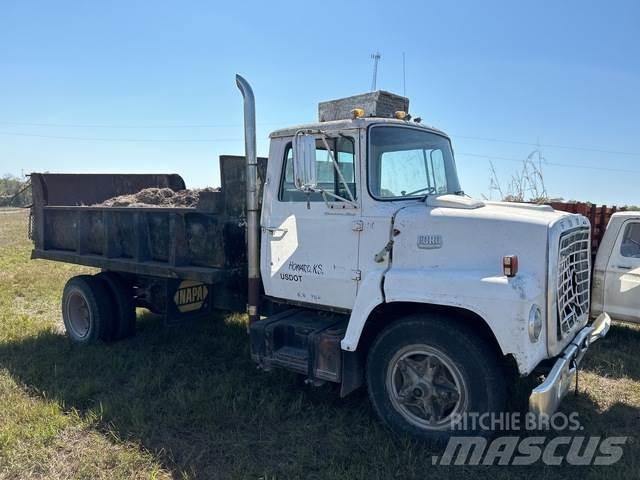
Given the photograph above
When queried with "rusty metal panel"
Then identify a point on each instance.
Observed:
(375, 104)
(93, 188)
(598, 215)
(226, 276)
(233, 180)
(205, 243)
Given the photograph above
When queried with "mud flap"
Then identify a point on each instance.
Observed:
(186, 300)
(352, 372)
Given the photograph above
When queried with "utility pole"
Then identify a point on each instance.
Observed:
(376, 57)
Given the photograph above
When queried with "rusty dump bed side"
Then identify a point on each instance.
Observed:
(204, 243)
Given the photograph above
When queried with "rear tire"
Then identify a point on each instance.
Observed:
(86, 309)
(423, 371)
(121, 296)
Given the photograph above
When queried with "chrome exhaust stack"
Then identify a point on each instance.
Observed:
(253, 222)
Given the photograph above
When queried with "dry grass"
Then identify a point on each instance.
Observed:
(186, 402)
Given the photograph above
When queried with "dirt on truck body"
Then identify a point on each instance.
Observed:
(158, 197)
(148, 226)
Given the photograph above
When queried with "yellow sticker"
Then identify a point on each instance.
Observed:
(190, 296)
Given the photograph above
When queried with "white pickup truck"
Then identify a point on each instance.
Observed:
(616, 273)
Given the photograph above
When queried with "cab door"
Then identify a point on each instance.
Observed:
(309, 244)
(622, 278)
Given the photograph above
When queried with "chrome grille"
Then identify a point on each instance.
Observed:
(574, 278)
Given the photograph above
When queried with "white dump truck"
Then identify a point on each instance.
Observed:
(616, 274)
(358, 257)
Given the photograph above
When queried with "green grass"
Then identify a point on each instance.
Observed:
(187, 402)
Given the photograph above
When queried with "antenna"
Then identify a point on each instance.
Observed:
(376, 57)
(404, 76)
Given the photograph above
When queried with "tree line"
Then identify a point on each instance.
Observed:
(15, 191)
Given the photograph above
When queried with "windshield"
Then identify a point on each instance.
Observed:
(410, 162)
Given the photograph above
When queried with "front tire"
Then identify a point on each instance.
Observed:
(425, 372)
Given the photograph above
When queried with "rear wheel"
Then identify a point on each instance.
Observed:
(426, 373)
(121, 296)
(86, 309)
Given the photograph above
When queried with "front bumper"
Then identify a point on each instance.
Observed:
(546, 397)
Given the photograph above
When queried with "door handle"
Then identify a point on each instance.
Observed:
(275, 229)
(624, 267)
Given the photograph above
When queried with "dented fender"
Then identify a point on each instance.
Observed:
(503, 303)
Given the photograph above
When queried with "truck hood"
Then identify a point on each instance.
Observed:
(488, 209)
(451, 231)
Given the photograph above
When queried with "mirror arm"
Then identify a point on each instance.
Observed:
(335, 165)
(337, 197)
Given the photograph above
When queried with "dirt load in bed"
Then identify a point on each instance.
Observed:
(158, 197)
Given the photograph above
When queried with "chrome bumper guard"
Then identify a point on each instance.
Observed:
(546, 397)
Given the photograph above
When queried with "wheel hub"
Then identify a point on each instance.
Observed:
(78, 314)
(426, 387)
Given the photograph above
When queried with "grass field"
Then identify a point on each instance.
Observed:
(187, 402)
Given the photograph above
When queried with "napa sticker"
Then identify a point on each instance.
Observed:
(190, 296)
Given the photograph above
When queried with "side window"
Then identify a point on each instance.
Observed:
(345, 157)
(328, 178)
(630, 246)
(436, 161)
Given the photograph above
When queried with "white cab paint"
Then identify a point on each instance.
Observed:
(309, 251)
(444, 250)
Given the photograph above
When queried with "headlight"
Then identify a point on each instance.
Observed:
(535, 323)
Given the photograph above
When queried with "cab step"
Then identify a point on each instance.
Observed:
(300, 340)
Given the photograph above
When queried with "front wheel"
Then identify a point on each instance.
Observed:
(426, 373)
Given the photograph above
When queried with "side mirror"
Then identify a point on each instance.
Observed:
(304, 162)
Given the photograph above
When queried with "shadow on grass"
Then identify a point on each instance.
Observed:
(191, 395)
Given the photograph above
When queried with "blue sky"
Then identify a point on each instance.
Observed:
(141, 86)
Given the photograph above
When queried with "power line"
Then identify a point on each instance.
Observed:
(89, 125)
(549, 145)
(553, 164)
(108, 139)
(234, 125)
(221, 140)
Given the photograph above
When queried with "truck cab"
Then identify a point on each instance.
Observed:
(319, 247)
(364, 216)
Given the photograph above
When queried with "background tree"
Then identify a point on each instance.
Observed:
(14, 191)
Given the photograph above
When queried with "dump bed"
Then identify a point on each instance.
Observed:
(205, 243)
